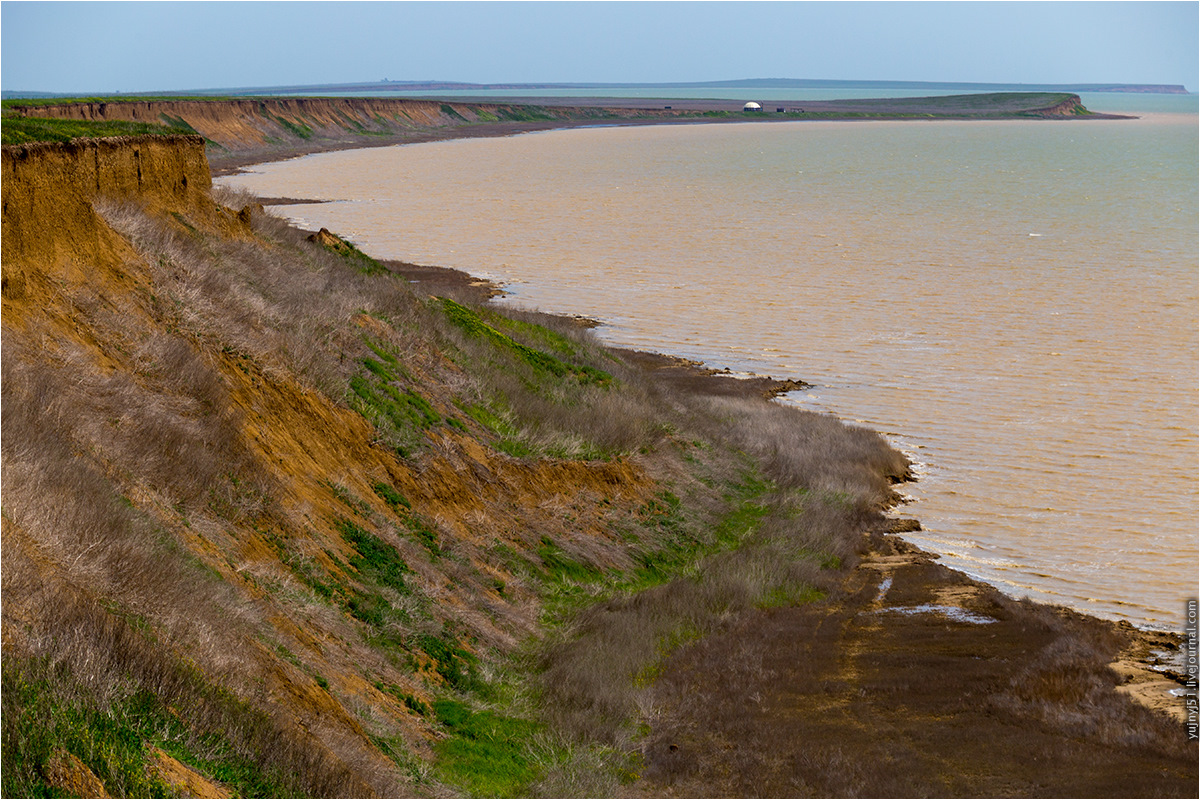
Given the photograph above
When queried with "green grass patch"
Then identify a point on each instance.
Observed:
(388, 494)
(401, 414)
(378, 369)
(349, 499)
(532, 332)
(676, 544)
(525, 114)
(457, 666)
(36, 102)
(491, 420)
(746, 512)
(25, 130)
(472, 324)
(298, 129)
(392, 361)
(424, 534)
(668, 546)
(350, 251)
(559, 567)
(412, 703)
(45, 713)
(305, 568)
(486, 754)
(178, 124)
(376, 559)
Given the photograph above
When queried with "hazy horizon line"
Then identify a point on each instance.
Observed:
(403, 85)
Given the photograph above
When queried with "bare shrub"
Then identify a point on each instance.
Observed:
(813, 451)
(1068, 685)
(262, 301)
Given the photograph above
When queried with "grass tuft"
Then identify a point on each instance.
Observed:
(487, 754)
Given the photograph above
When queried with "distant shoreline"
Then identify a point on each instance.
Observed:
(584, 112)
(240, 131)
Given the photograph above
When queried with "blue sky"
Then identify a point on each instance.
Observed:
(106, 47)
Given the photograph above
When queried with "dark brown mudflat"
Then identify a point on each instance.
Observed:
(853, 698)
(445, 281)
(692, 376)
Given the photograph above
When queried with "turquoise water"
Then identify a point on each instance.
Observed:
(1013, 303)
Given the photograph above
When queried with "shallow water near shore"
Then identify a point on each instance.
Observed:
(1013, 303)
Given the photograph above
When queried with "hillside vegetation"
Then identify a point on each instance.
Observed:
(277, 523)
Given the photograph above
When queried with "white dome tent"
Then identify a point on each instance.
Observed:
(752, 106)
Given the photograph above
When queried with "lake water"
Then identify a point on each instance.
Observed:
(1014, 304)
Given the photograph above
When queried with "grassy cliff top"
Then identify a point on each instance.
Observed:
(65, 118)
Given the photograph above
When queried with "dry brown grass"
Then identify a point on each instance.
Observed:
(289, 306)
(807, 450)
(100, 602)
(130, 471)
(73, 515)
(596, 683)
(1068, 685)
(92, 659)
(835, 700)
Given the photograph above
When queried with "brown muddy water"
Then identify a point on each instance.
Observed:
(1013, 303)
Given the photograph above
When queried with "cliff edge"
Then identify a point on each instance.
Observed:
(240, 131)
(50, 226)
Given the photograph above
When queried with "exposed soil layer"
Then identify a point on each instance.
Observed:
(1039, 104)
(917, 681)
(226, 163)
(577, 112)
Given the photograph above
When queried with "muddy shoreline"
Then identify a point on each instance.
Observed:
(915, 681)
(1140, 673)
(962, 690)
(229, 163)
